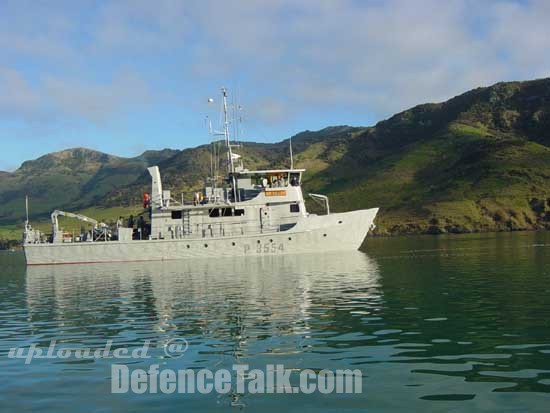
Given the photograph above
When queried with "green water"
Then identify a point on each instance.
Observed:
(434, 323)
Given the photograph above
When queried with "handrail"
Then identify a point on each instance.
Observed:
(221, 228)
(321, 198)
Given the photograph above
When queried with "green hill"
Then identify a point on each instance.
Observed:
(73, 178)
(478, 162)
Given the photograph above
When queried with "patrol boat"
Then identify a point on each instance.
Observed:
(250, 212)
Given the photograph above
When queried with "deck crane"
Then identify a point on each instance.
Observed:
(57, 235)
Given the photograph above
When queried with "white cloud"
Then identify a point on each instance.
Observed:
(140, 25)
(385, 56)
(17, 96)
(58, 99)
(374, 57)
(98, 101)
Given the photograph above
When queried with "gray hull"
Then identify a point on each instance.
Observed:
(334, 232)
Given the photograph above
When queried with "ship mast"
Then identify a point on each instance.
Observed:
(291, 157)
(230, 155)
(230, 165)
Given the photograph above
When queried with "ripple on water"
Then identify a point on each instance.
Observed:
(448, 397)
(455, 328)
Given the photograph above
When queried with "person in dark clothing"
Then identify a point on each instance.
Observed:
(131, 222)
(141, 223)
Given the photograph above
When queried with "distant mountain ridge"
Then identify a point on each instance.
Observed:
(477, 162)
(73, 178)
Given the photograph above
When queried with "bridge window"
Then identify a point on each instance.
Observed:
(295, 179)
(176, 214)
(225, 212)
(294, 208)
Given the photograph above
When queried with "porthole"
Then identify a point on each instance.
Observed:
(339, 222)
(290, 238)
(324, 235)
(205, 245)
(270, 240)
(233, 244)
(188, 246)
(258, 241)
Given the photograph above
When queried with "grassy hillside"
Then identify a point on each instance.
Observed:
(74, 178)
(478, 162)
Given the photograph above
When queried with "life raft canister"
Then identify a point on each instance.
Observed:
(146, 200)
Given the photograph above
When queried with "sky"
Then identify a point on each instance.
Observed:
(126, 76)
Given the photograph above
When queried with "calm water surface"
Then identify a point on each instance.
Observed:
(434, 323)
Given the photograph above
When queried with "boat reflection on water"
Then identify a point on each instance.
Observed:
(210, 302)
(255, 311)
(433, 323)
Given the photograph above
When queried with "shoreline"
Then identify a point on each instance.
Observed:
(450, 233)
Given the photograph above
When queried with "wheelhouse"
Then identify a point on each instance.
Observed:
(249, 184)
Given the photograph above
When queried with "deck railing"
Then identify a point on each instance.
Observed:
(229, 229)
